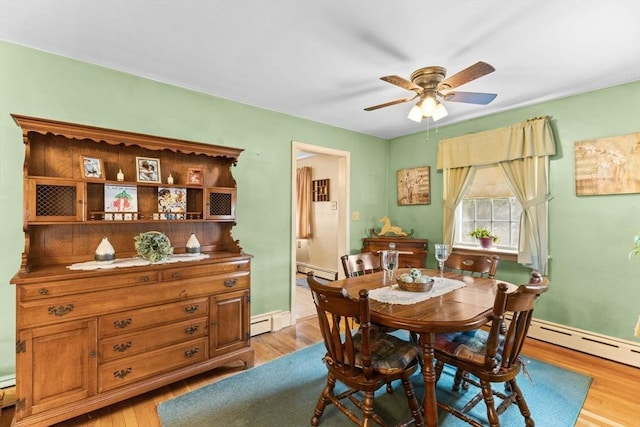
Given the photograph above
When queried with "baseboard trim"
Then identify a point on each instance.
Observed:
(268, 322)
(325, 273)
(615, 349)
(604, 346)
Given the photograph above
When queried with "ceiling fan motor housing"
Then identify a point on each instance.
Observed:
(429, 77)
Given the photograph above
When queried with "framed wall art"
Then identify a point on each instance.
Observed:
(609, 165)
(147, 169)
(414, 186)
(194, 176)
(92, 168)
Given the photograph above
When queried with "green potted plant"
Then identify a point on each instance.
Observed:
(484, 235)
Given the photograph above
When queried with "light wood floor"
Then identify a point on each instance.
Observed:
(613, 399)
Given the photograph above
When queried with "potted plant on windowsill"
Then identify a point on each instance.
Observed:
(486, 238)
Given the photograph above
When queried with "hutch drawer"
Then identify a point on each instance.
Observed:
(127, 321)
(122, 372)
(125, 345)
(47, 289)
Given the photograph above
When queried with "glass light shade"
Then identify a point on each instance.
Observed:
(415, 114)
(428, 106)
(440, 112)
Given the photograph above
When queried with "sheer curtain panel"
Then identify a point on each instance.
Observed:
(303, 203)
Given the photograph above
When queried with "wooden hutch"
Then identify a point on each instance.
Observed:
(88, 338)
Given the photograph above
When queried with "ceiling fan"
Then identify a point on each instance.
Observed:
(429, 84)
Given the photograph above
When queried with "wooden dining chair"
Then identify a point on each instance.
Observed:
(472, 264)
(361, 358)
(490, 356)
(360, 264)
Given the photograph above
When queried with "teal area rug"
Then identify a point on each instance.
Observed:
(284, 393)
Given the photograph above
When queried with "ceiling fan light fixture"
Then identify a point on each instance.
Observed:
(440, 112)
(428, 106)
(415, 114)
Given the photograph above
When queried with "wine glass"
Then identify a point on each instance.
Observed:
(442, 252)
(389, 263)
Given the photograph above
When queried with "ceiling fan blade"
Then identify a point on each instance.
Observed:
(471, 73)
(390, 103)
(470, 97)
(403, 83)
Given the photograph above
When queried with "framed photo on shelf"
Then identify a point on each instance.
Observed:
(194, 176)
(148, 169)
(92, 168)
(172, 200)
(120, 198)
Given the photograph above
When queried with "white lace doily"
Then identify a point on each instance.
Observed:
(133, 262)
(394, 295)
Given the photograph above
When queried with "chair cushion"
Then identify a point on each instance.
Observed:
(468, 345)
(389, 354)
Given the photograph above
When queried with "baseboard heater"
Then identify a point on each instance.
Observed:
(618, 350)
(266, 322)
(325, 273)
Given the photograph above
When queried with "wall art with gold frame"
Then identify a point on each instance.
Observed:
(609, 165)
(414, 186)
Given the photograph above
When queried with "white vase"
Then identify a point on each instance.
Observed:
(193, 245)
(104, 251)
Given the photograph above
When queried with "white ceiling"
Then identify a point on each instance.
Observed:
(322, 60)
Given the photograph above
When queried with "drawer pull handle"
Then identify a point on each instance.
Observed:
(43, 291)
(121, 324)
(230, 283)
(192, 308)
(144, 278)
(93, 354)
(61, 310)
(192, 352)
(121, 348)
(176, 275)
(191, 329)
(122, 373)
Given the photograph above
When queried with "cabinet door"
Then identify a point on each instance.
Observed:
(220, 203)
(58, 365)
(54, 200)
(229, 320)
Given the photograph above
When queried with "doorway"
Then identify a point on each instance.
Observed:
(321, 253)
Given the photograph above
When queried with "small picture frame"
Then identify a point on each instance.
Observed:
(194, 176)
(92, 168)
(148, 169)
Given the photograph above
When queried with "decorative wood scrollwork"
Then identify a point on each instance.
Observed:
(61, 310)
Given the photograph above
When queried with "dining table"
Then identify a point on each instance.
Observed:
(456, 302)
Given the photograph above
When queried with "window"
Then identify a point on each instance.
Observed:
(489, 203)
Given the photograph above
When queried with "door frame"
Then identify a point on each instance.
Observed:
(343, 199)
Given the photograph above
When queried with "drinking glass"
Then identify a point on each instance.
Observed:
(442, 252)
(389, 263)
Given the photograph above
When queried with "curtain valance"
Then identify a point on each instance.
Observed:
(531, 138)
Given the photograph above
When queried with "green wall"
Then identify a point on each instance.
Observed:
(595, 287)
(43, 85)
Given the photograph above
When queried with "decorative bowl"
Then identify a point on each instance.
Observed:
(414, 281)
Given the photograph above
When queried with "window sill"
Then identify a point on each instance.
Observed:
(504, 255)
